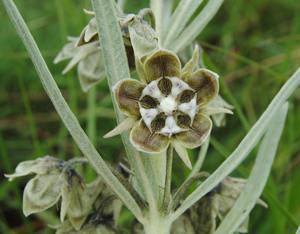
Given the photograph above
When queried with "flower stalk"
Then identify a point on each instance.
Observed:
(167, 189)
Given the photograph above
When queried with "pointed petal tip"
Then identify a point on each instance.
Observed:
(125, 125)
(183, 154)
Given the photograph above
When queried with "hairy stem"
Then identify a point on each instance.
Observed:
(167, 190)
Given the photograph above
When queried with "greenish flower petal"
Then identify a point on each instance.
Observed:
(199, 131)
(127, 94)
(206, 84)
(144, 140)
(41, 193)
(39, 166)
(89, 33)
(162, 63)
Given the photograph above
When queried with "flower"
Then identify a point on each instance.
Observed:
(57, 180)
(90, 67)
(209, 211)
(169, 105)
(84, 51)
(103, 218)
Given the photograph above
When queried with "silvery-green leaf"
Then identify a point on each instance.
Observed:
(258, 177)
(90, 71)
(162, 12)
(41, 193)
(181, 16)
(143, 38)
(38, 166)
(196, 26)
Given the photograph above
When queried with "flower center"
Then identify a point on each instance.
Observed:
(168, 106)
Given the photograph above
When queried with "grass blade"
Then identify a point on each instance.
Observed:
(179, 19)
(65, 113)
(258, 177)
(245, 147)
(196, 26)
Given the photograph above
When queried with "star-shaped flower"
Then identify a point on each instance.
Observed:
(168, 106)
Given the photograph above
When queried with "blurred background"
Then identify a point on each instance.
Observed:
(254, 46)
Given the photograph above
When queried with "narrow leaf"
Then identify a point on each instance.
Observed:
(65, 113)
(179, 19)
(162, 12)
(245, 147)
(258, 177)
(190, 33)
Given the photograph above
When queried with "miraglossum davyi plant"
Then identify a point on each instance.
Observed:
(169, 105)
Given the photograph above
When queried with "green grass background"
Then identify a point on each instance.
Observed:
(254, 46)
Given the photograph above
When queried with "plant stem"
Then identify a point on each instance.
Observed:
(167, 190)
(158, 225)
